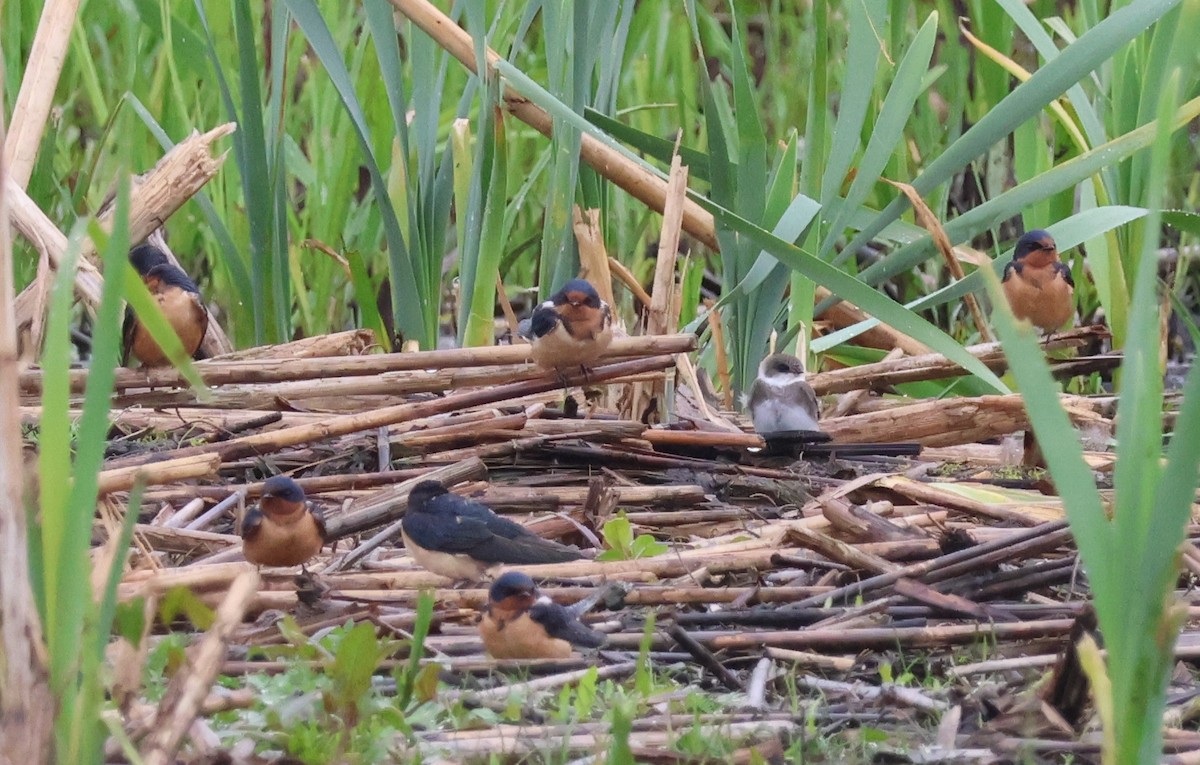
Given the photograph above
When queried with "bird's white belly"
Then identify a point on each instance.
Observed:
(772, 416)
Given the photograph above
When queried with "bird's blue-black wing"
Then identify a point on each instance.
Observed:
(128, 330)
(560, 623)
(456, 525)
(319, 516)
(449, 533)
(1010, 268)
(453, 505)
(252, 524)
(544, 321)
(1061, 269)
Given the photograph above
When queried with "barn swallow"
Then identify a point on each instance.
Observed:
(571, 329)
(179, 299)
(461, 539)
(781, 399)
(1037, 284)
(521, 623)
(283, 530)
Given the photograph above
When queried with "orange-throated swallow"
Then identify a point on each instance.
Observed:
(781, 399)
(283, 530)
(179, 299)
(571, 329)
(1037, 284)
(521, 623)
(461, 539)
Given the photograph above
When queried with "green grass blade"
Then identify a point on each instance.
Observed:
(54, 463)
(888, 128)
(1067, 233)
(1140, 649)
(660, 149)
(1060, 445)
(1087, 53)
(868, 299)
(408, 302)
(253, 275)
(256, 175)
(480, 329)
(75, 672)
(1029, 24)
(862, 58)
(1013, 201)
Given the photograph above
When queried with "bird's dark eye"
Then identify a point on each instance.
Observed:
(781, 367)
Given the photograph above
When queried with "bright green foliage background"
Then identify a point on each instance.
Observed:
(367, 139)
(347, 137)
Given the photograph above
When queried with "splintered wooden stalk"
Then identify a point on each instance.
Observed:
(264, 443)
(933, 366)
(283, 367)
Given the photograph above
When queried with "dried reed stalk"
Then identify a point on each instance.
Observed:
(933, 366)
(263, 443)
(190, 686)
(638, 181)
(36, 96)
(157, 473)
(26, 707)
(942, 422)
(181, 173)
(286, 368)
(659, 317)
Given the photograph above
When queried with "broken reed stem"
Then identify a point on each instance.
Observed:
(336, 390)
(272, 441)
(593, 258)
(36, 96)
(718, 339)
(626, 277)
(658, 318)
(284, 369)
(662, 296)
(865, 638)
(944, 422)
(177, 177)
(551, 682)
(190, 686)
(159, 473)
(1044, 536)
(638, 181)
(27, 708)
(931, 366)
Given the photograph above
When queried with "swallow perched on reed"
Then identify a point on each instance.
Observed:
(178, 298)
(461, 539)
(521, 623)
(781, 399)
(571, 329)
(284, 530)
(1037, 284)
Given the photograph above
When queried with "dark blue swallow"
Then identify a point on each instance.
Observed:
(571, 329)
(461, 539)
(179, 299)
(521, 623)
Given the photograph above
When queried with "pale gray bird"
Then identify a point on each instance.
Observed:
(780, 398)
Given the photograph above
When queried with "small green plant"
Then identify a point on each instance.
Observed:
(622, 545)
